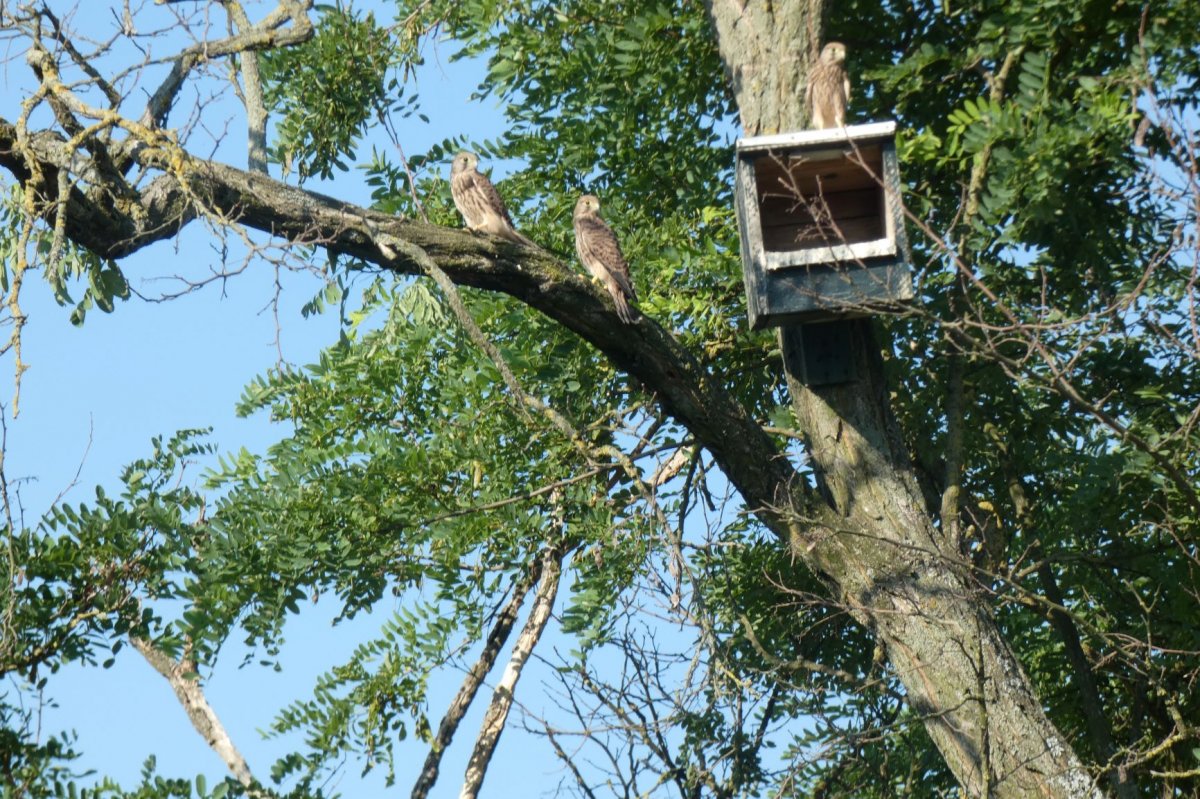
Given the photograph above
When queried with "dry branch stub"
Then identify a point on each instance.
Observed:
(821, 224)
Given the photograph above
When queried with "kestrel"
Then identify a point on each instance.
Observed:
(828, 90)
(601, 254)
(478, 201)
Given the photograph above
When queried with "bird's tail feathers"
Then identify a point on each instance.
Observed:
(623, 310)
(626, 285)
(513, 235)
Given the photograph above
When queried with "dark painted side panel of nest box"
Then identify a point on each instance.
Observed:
(753, 274)
(821, 354)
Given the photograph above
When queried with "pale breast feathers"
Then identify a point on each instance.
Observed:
(601, 253)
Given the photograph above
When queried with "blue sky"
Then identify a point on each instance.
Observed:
(94, 396)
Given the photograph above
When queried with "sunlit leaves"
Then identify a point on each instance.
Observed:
(65, 266)
(327, 90)
(406, 465)
(83, 575)
(371, 702)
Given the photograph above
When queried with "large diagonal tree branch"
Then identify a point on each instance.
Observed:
(189, 188)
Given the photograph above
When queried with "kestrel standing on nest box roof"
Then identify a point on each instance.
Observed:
(828, 90)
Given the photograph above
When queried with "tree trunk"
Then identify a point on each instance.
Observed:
(874, 537)
(897, 572)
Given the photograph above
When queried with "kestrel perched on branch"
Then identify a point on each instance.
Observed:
(601, 254)
(478, 201)
(828, 91)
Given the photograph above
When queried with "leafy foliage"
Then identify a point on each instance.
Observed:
(328, 90)
(65, 263)
(80, 574)
(1053, 209)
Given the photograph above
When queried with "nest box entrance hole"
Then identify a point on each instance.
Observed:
(811, 201)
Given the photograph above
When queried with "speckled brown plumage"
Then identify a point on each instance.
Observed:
(478, 201)
(828, 91)
(601, 254)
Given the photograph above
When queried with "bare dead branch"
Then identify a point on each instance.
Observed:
(458, 707)
(502, 698)
(185, 682)
(264, 36)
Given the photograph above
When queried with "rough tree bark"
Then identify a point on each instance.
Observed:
(896, 571)
(874, 538)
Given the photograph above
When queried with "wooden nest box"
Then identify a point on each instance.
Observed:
(821, 224)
